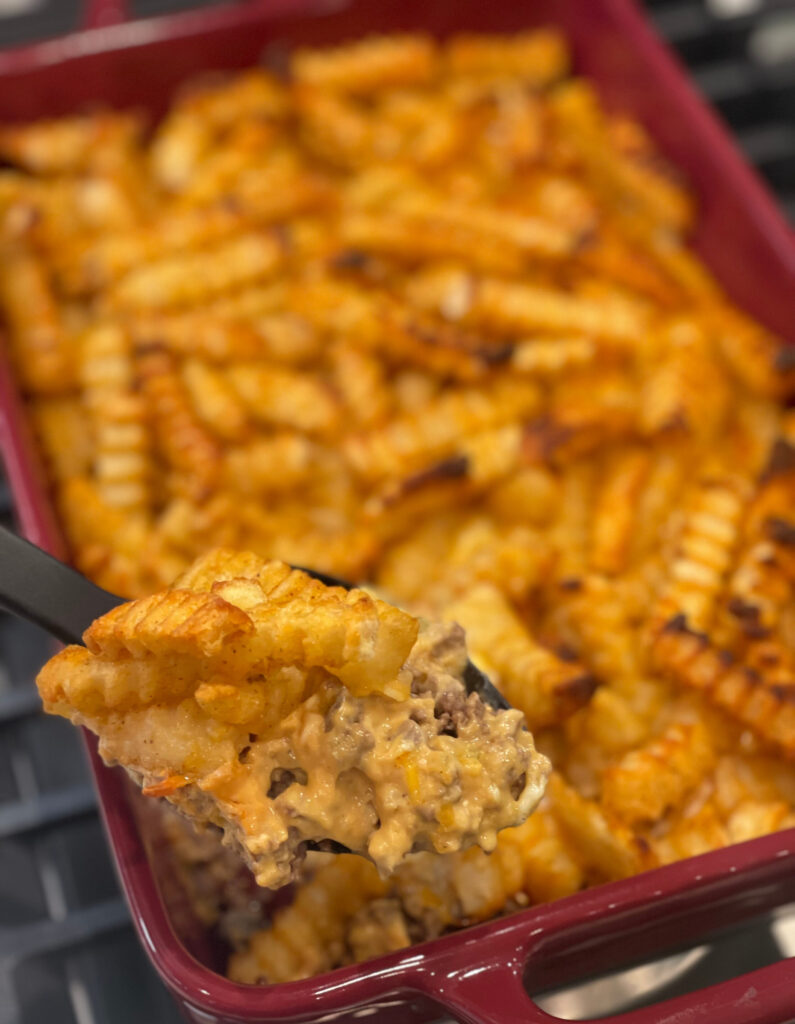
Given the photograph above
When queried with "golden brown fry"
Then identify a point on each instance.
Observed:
(70, 145)
(607, 849)
(97, 263)
(759, 359)
(122, 449)
(435, 429)
(359, 379)
(703, 550)
(271, 465)
(649, 782)
(39, 341)
(64, 436)
(362, 67)
(615, 511)
(512, 308)
(533, 678)
(687, 389)
(188, 448)
(186, 280)
(188, 133)
(538, 57)
(689, 658)
(285, 398)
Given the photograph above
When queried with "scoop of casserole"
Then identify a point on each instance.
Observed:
(256, 698)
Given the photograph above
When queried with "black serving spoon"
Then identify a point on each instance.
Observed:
(37, 587)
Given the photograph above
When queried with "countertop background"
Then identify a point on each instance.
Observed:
(68, 954)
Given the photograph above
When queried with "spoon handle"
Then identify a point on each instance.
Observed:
(39, 588)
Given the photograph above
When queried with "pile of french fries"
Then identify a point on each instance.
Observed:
(425, 314)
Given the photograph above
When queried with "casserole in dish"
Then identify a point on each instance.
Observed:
(601, 50)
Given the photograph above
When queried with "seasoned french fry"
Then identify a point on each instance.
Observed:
(122, 448)
(688, 657)
(361, 67)
(607, 849)
(703, 550)
(434, 430)
(614, 515)
(215, 401)
(65, 437)
(70, 145)
(538, 58)
(285, 398)
(517, 308)
(39, 341)
(647, 783)
(535, 679)
(190, 449)
(185, 280)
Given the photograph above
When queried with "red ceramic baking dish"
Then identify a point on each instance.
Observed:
(483, 974)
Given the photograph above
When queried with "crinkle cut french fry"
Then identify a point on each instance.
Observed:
(586, 414)
(549, 862)
(187, 447)
(215, 401)
(548, 357)
(188, 133)
(360, 380)
(480, 461)
(533, 678)
(629, 265)
(196, 277)
(64, 436)
(285, 398)
(39, 342)
(538, 57)
(271, 465)
(647, 783)
(506, 307)
(616, 507)
(687, 390)
(361, 67)
(247, 144)
(99, 262)
(689, 658)
(760, 360)
(70, 145)
(607, 849)
(703, 550)
(105, 543)
(649, 185)
(435, 429)
(762, 581)
(119, 422)
(424, 227)
(225, 335)
(309, 934)
(531, 495)
(693, 831)
(516, 558)
(601, 615)
(417, 239)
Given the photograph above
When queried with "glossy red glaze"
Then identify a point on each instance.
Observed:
(479, 975)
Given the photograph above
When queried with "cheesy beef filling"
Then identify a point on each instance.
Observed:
(255, 698)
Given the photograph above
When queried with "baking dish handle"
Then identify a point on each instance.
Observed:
(102, 13)
(493, 992)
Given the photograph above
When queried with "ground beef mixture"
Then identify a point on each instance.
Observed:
(438, 771)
